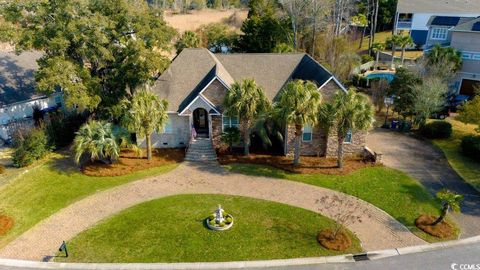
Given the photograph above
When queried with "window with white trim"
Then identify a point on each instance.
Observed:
(230, 122)
(307, 133)
(168, 127)
(349, 137)
(439, 33)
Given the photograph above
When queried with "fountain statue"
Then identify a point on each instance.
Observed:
(219, 220)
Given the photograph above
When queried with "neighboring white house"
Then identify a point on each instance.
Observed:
(414, 15)
(17, 90)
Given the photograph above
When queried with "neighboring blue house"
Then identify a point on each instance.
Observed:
(413, 15)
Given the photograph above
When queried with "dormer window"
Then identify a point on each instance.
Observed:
(439, 33)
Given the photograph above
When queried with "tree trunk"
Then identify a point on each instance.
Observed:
(377, 4)
(363, 36)
(246, 139)
(402, 56)
(298, 144)
(149, 147)
(377, 59)
(340, 152)
(442, 215)
(393, 54)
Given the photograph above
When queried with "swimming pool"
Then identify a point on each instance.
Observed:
(388, 76)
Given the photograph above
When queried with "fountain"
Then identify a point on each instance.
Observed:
(219, 220)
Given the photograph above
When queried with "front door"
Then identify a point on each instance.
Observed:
(200, 122)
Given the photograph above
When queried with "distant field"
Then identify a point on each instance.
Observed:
(196, 18)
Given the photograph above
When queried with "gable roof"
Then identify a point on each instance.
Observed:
(439, 6)
(193, 69)
(17, 80)
(470, 26)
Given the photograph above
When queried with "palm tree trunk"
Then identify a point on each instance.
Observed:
(442, 215)
(246, 139)
(298, 144)
(393, 53)
(149, 147)
(377, 59)
(340, 152)
(363, 36)
(402, 56)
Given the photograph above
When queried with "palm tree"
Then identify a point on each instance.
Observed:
(326, 119)
(247, 101)
(188, 40)
(404, 42)
(298, 105)
(98, 139)
(145, 113)
(445, 55)
(353, 113)
(451, 201)
(377, 48)
(393, 42)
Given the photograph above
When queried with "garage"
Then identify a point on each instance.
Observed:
(468, 87)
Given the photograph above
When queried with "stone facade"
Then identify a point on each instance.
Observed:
(215, 93)
(320, 146)
(216, 131)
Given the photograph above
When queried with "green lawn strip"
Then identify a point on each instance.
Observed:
(390, 190)
(467, 168)
(47, 188)
(172, 229)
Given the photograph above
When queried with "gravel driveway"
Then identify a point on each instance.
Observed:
(423, 161)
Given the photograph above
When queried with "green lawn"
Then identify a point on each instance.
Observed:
(172, 229)
(390, 190)
(53, 185)
(467, 168)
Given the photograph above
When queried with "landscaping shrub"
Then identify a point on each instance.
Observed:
(367, 58)
(437, 130)
(30, 147)
(62, 127)
(2, 169)
(471, 146)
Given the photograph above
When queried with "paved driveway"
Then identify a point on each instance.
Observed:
(426, 163)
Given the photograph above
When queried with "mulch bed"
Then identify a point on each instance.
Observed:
(129, 162)
(441, 230)
(341, 243)
(309, 165)
(6, 223)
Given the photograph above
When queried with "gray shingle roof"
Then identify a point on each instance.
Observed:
(439, 6)
(468, 26)
(193, 69)
(17, 81)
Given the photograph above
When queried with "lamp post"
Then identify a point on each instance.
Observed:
(388, 102)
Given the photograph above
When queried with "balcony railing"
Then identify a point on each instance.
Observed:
(404, 24)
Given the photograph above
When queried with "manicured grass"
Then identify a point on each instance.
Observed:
(172, 229)
(467, 168)
(381, 37)
(47, 188)
(390, 190)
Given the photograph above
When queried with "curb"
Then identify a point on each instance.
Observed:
(348, 258)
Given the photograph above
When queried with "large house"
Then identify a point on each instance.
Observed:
(197, 80)
(17, 91)
(413, 15)
(463, 34)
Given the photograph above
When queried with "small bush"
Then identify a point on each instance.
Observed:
(211, 217)
(212, 222)
(32, 146)
(437, 130)
(62, 127)
(471, 146)
(2, 169)
(229, 220)
(366, 58)
(222, 224)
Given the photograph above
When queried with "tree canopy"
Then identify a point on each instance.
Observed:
(94, 50)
